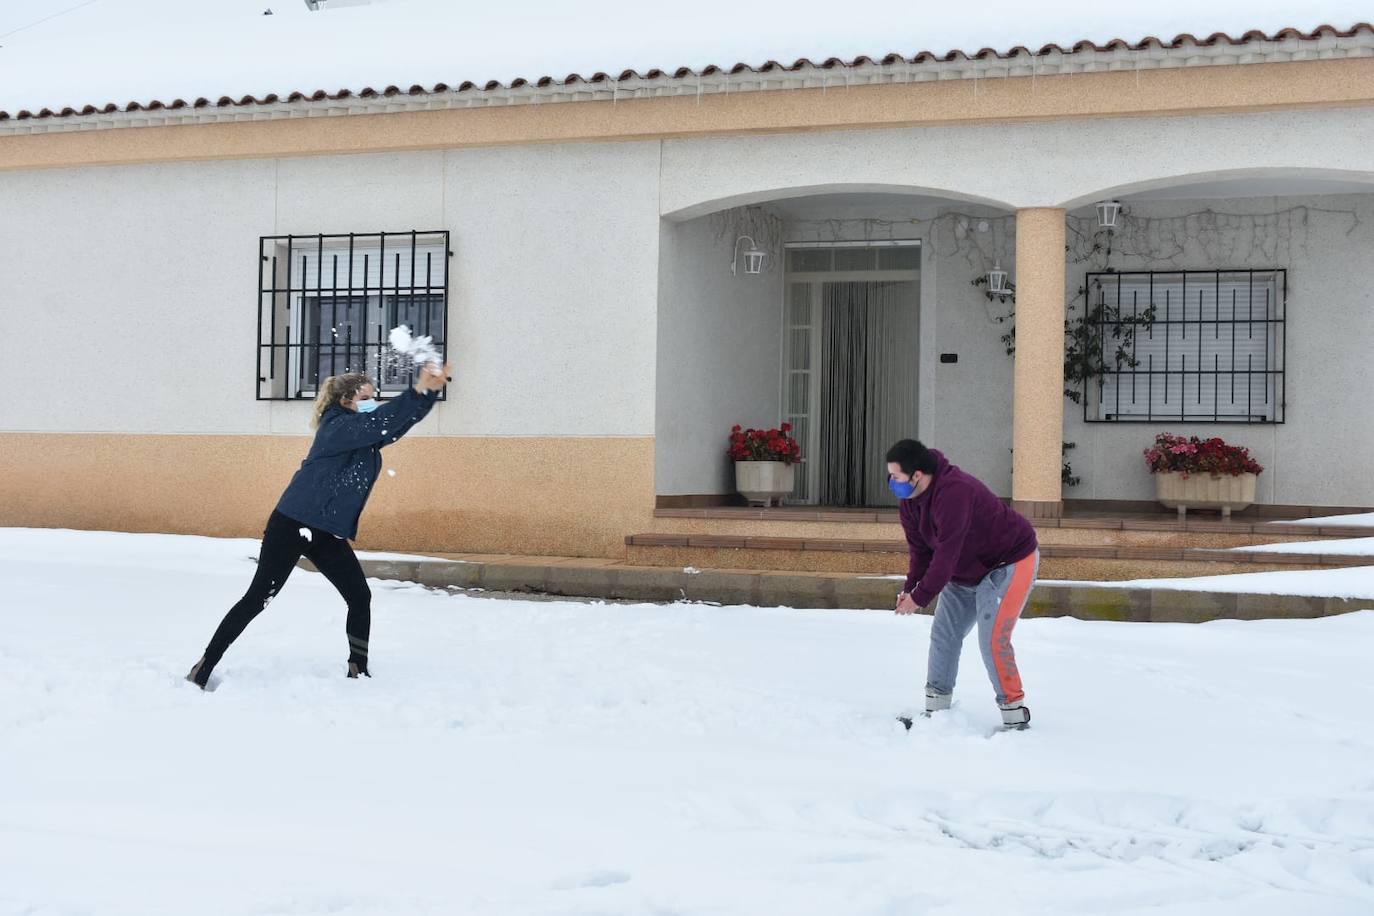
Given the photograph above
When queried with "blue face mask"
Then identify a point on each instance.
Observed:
(903, 488)
(366, 406)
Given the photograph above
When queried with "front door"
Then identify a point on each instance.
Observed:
(850, 357)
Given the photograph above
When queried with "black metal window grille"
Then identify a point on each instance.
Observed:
(1214, 351)
(327, 304)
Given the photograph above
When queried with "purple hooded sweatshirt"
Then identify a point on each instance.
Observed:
(959, 531)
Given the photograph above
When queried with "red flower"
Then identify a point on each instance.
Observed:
(1199, 456)
(764, 445)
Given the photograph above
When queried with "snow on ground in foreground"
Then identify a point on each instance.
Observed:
(517, 757)
(1351, 582)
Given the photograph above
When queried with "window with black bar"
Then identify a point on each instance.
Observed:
(1211, 350)
(327, 304)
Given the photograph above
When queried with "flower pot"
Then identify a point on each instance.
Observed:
(762, 482)
(1205, 491)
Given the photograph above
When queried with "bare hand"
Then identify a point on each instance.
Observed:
(432, 378)
(906, 604)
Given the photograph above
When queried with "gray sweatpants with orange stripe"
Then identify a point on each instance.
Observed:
(994, 604)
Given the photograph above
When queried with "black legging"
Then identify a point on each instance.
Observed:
(283, 543)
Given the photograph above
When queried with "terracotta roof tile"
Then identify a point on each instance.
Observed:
(770, 66)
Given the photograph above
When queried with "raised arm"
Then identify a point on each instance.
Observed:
(391, 420)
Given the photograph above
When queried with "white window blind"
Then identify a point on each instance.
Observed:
(327, 304)
(1213, 351)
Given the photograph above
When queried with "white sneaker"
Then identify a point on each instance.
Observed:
(1015, 716)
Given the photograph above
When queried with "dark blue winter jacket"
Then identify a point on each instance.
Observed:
(335, 479)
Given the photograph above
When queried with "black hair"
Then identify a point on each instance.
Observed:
(912, 456)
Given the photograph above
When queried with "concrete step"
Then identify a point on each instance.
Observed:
(889, 557)
(613, 580)
(1129, 531)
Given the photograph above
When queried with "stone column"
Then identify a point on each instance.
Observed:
(1038, 389)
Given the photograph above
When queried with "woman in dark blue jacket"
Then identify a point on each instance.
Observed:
(318, 513)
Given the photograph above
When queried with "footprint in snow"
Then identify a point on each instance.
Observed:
(592, 879)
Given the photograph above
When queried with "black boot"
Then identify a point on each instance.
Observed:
(199, 674)
(357, 655)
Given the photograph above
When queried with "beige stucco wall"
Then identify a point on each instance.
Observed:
(1037, 413)
(569, 496)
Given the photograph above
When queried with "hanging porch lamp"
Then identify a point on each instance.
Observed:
(753, 257)
(997, 280)
(1107, 212)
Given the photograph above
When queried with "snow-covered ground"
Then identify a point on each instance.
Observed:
(516, 757)
(1359, 520)
(1354, 547)
(1342, 582)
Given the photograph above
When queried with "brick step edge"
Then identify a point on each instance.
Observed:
(1189, 524)
(1074, 551)
(768, 589)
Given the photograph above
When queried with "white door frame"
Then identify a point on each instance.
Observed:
(816, 280)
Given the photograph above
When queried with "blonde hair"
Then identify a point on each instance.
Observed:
(337, 388)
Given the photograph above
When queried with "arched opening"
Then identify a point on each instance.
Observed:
(1236, 184)
(835, 336)
(1260, 310)
(816, 198)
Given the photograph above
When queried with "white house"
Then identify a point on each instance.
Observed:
(177, 272)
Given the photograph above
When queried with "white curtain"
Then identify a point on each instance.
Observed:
(868, 387)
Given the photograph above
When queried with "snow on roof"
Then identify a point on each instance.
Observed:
(82, 56)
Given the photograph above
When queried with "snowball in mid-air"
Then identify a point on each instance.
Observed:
(419, 350)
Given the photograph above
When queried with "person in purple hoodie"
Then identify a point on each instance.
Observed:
(979, 556)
